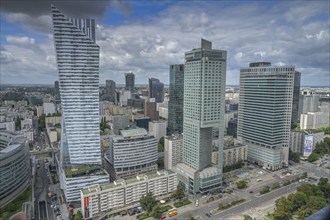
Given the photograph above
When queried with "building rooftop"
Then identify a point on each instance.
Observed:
(174, 137)
(133, 132)
(86, 170)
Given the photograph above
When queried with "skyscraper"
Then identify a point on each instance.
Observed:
(175, 104)
(78, 67)
(156, 90)
(57, 96)
(264, 113)
(296, 96)
(204, 105)
(130, 81)
(110, 90)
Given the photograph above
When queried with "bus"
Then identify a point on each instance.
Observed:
(172, 212)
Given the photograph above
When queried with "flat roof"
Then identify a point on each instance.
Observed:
(133, 132)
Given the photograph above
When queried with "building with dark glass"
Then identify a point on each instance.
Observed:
(110, 90)
(175, 104)
(296, 96)
(156, 90)
(130, 81)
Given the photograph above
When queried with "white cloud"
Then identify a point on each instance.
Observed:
(249, 32)
(19, 40)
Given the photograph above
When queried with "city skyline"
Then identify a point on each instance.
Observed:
(146, 37)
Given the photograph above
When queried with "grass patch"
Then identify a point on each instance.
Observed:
(265, 190)
(182, 203)
(15, 205)
(84, 170)
(228, 205)
(143, 216)
(165, 208)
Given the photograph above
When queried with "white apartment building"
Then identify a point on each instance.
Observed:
(158, 129)
(312, 120)
(173, 151)
(49, 108)
(26, 123)
(96, 199)
(8, 126)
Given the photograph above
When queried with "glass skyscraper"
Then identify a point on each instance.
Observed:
(203, 109)
(264, 113)
(130, 81)
(156, 90)
(175, 104)
(78, 66)
(110, 90)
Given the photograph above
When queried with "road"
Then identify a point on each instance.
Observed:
(42, 210)
(254, 202)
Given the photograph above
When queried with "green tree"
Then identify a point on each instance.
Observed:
(294, 156)
(161, 145)
(78, 216)
(178, 193)
(247, 217)
(298, 200)
(42, 122)
(241, 184)
(283, 209)
(71, 215)
(148, 202)
(156, 212)
(324, 186)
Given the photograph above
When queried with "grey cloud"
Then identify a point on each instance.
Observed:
(35, 14)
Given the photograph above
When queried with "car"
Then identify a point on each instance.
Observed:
(208, 215)
(251, 191)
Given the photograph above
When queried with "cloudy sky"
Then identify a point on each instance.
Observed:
(145, 37)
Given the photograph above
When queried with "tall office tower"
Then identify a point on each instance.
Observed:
(130, 81)
(156, 90)
(110, 90)
(175, 104)
(203, 109)
(57, 96)
(78, 66)
(264, 113)
(296, 96)
(150, 110)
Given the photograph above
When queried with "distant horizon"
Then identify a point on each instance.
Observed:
(138, 84)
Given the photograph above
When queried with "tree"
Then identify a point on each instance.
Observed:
(324, 186)
(156, 212)
(241, 184)
(294, 156)
(71, 215)
(283, 209)
(298, 200)
(304, 175)
(78, 216)
(247, 217)
(178, 193)
(161, 145)
(148, 202)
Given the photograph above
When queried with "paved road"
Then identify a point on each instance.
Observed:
(255, 201)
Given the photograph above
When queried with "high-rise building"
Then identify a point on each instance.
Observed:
(78, 66)
(158, 129)
(264, 113)
(110, 90)
(156, 90)
(296, 97)
(57, 96)
(175, 104)
(150, 110)
(203, 109)
(130, 81)
(173, 151)
(309, 102)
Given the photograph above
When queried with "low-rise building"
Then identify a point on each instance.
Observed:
(49, 108)
(8, 126)
(99, 199)
(173, 151)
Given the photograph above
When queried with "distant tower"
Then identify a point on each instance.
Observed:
(130, 81)
(110, 90)
(203, 109)
(175, 104)
(296, 96)
(264, 112)
(57, 96)
(156, 90)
